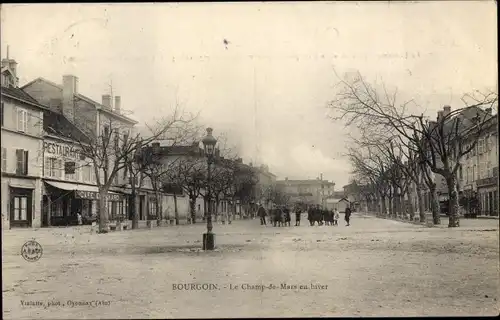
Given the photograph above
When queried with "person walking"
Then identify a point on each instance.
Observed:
(310, 213)
(262, 214)
(298, 213)
(79, 217)
(288, 218)
(347, 215)
(336, 217)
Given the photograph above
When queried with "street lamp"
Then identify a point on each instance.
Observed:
(209, 145)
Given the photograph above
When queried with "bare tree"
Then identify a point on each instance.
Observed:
(111, 148)
(374, 111)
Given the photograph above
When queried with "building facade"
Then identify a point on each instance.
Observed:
(22, 139)
(479, 174)
(91, 121)
(308, 192)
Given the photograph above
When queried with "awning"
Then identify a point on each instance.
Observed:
(72, 186)
(83, 191)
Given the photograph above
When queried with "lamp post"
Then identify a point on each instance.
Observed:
(209, 145)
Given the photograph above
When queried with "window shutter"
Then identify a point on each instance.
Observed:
(29, 122)
(2, 112)
(25, 162)
(19, 161)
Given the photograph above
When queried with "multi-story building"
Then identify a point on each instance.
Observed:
(478, 171)
(266, 181)
(21, 120)
(308, 192)
(68, 108)
(480, 168)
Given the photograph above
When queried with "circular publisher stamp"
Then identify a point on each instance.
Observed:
(31, 251)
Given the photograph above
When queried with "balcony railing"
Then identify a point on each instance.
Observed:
(490, 180)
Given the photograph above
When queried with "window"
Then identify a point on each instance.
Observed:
(480, 146)
(86, 172)
(105, 130)
(92, 174)
(54, 167)
(22, 162)
(56, 209)
(22, 120)
(4, 160)
(467, 174)
(461, 174)
(489, 170)
(2, 112)
(474, 169)
(482, 170)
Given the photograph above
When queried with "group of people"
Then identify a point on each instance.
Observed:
(281, 216)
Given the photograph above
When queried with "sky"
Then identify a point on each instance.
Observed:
(269, 87)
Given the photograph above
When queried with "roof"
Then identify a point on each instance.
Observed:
(311, 181)
(98, 105)
(57, 124)
(18, 93)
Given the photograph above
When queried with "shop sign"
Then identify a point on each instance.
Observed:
(62, 150)
(96, 196)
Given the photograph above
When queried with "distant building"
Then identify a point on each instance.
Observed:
(308, 192)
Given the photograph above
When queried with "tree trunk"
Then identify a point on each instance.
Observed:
(453, 205)
(133, 209)
(176, 210)
(390, 202)
(420, 198)
(103, 212)
(411, 211)
(403, 206)
(396, 205)
(192, 208)
(435, 204)
(383, 206)
(159, 214)
(205, 208)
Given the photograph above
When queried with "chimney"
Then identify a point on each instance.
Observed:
(106, 101)
(118, 104)
(70, 88)
(446, 110)
(440, 115)
(12, 65)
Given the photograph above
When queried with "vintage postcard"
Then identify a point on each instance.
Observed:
(249, 160)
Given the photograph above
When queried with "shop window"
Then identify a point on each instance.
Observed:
(20, 208)
(56, 209)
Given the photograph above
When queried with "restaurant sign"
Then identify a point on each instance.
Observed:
(62, 150)
(90, 195)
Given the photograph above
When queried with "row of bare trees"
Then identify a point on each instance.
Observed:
(115, 151)
(394, 150)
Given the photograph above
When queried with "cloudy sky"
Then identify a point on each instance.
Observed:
(268, 89)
